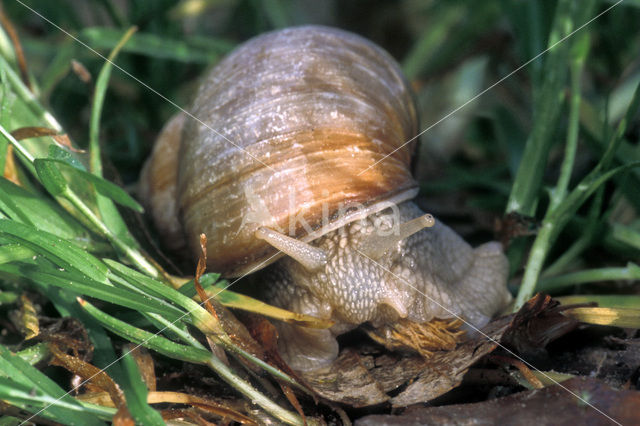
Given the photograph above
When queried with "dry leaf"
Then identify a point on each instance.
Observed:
(17, 47)
(68, 334)
(80, 71)
(61, 139)
(265, 333)
(202, 403)
(618, 317)
(28, 318)
(553, 405)
(98, 378)
(145, 364)
(360, 380)
(10, 171)
(514, 225)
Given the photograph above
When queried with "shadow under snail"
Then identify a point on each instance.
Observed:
(298, 156)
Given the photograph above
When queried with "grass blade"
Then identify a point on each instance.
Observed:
(90, 288)
(631, 273)
(95, 163)
(187, 353)
(231, 299)
(191, 49)
(144, 338)
(136, 392)
(30, 208)
(618, 317)
(553, 224)
(20, 376)
(52, 176)
(58, 153)
(58, 250)
(524, 193)
(603, 300)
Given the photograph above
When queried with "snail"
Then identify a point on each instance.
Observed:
(297, 159)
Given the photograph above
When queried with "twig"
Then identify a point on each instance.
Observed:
(17, 47)
(526, 372)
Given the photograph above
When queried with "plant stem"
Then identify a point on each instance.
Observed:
(524, 193)
(536, 260)
(29, 98)
(133, 255)
(17, 145)
(541, 141)
(626, 234)
(174, 350)
(630, 272)
(562, 187)
(586, 238)
(170, 325)
(256, 397)
(100, 411)
(6, 48)
(95, 162)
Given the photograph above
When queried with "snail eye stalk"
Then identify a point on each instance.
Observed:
(312, 258)
(375, 246)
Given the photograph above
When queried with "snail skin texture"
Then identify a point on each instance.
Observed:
(285, 156)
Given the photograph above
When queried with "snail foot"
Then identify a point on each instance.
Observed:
(306, 349)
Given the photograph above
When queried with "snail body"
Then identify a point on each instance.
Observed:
(299, 154)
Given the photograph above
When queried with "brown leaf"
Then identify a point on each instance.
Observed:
(155, 397)
(239, 335)
(347, 381)
(514, 225)
(200, 269)
(266, 335)
(203, 403)
(190, 414)
(97, 377)
(68, 334)
(552, 405)
(230, 325)
(537, 323)
(293, 400)
(29, 323)
(17, 47)
(145, 364)
(61, 139)
(80, 71)
(10, 171)
(32, 132)
(359, 379)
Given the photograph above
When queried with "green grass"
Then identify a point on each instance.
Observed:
(557, 141)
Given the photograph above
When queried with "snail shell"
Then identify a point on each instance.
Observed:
(289, 120)
(285, 152)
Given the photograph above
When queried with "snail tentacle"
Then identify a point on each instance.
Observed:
(375, 246)
(312, 258)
